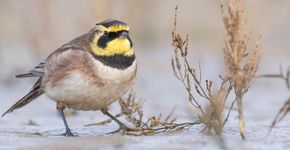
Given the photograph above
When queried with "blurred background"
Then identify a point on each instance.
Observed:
(30, 30)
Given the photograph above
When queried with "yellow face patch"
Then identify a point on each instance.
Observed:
(117, 46)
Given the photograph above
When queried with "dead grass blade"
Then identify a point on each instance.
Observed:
(285, 109)
(282, 113)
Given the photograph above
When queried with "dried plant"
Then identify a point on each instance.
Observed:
(155, 125)
(241, 63)
(210, 116)
(285, 109)
(132, 109)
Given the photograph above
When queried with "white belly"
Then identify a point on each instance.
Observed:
(79, 93)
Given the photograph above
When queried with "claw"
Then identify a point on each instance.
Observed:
(68, 133)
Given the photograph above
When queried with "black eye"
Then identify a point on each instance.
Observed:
(112, 35)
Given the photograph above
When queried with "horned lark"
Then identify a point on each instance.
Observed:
(88, 73)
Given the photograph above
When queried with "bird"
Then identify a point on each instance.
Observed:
(89, 73)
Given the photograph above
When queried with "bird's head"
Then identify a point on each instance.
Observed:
(111, 37)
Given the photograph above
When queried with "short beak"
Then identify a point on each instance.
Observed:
(124, 34)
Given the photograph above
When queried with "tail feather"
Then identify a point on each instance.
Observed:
(35, 92)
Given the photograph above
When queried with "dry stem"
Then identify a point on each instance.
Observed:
(285, 109)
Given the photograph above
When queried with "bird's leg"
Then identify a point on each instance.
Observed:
(122, 126)
(60, 107)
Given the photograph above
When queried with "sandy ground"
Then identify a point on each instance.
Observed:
(162, 92)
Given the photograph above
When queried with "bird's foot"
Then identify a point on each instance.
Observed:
(68, 133)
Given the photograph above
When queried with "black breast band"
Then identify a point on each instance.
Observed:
(116, 61)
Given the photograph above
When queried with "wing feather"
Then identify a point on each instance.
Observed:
(37, 71)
